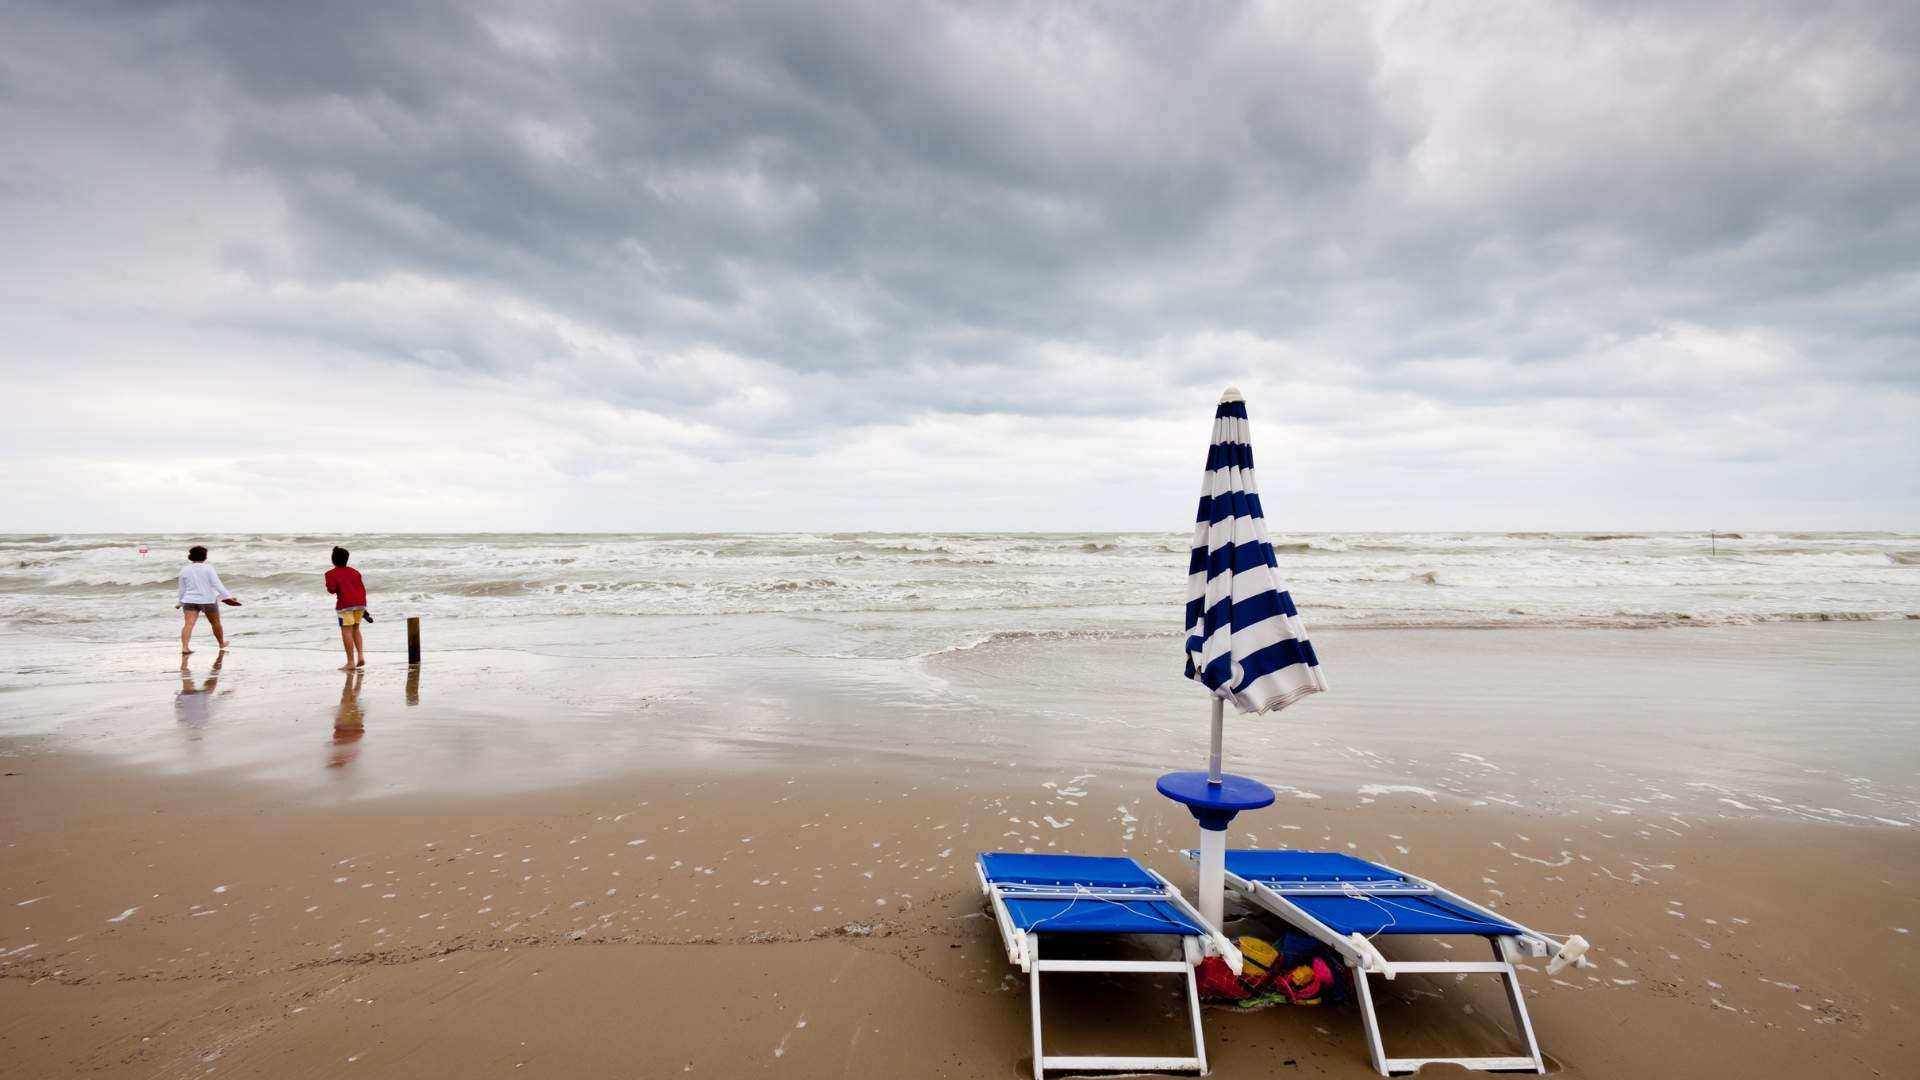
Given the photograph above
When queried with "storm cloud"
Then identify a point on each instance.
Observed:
(842, 265)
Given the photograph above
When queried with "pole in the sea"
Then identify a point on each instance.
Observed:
(413, 639)
(1713, 543)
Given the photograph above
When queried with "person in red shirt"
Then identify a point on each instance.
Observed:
(349, 607)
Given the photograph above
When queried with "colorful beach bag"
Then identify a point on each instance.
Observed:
(1297, 971)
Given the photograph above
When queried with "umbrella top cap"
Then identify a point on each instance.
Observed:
(1231, 393)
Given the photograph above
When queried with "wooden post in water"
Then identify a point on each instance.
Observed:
(1713, 543)
(413, 639)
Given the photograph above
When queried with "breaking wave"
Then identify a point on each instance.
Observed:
(941, 590)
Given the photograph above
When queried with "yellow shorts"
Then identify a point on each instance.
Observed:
(349, 618)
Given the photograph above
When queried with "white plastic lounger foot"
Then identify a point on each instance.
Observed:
(1401, 1066)
(1124, 1064)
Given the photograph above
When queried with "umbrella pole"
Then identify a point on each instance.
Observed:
(1214, 802)
(1213, 875)
(1213, 757)
(1213, 842)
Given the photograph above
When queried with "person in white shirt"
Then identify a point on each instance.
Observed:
(201, 593)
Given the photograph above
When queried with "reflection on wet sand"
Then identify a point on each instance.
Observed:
(193, 704)
(349, 723)
(1807, 747)
(413, 684)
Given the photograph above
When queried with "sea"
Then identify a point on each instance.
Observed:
(911, 594)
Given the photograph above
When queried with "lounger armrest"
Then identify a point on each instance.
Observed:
(1229, 952)
(1217, 943)
(1574, 952)
(1371, 959)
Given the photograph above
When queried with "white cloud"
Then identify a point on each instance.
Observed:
(438, 266)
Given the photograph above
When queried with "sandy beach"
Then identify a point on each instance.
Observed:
(584, 866)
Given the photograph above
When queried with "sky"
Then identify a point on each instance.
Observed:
(581, 266)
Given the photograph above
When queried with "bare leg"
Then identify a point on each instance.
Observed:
(359, 648)
(346, 642)
(186, 630)
(219, 635)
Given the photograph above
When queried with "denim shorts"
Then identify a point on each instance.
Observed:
(204, 609)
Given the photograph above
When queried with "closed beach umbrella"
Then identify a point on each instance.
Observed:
(1245, 642)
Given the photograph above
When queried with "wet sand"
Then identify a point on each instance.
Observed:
(513, 863)
(1780, 722)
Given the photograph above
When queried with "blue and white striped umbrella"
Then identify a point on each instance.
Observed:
(1245, 641)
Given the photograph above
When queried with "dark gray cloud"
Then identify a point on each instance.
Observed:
(1614, 216)
(833, 185)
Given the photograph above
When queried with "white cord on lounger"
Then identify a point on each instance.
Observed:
(1393, 920)
(1083, 893)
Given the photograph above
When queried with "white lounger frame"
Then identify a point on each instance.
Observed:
(1363, 959)
(1023, 950)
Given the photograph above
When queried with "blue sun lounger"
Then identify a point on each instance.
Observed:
(1037, 896)
(1345, 903)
